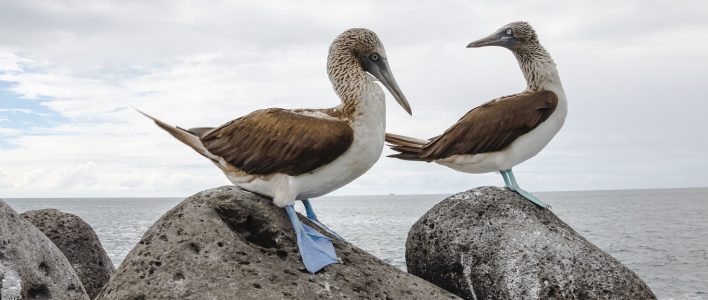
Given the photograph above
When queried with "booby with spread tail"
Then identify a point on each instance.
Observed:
(504, 132)
(298, 154)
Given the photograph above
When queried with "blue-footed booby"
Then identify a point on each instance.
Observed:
(504, 132)
(297, 154)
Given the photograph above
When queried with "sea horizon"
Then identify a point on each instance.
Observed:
(367, 195)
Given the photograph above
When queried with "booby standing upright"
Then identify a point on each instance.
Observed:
(297, 154)
(503, 132)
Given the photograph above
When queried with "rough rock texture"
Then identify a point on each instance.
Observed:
(31, 266)
(79, 243)
(227, 243)
(490, 243)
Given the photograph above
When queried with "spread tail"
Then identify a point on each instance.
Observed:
(188, 137)
(408, 148)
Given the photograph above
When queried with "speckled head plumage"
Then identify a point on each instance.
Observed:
(359, 41)
(354, 53)
(515, 36)
(522, 31)
(519, 37)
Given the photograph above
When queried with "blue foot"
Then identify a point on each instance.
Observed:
(511, 183)
(315, 249)
(313, 218)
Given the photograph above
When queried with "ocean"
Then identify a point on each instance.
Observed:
(660, 234)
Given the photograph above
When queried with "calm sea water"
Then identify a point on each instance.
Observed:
(660, 234)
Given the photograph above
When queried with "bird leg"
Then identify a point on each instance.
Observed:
(313, 218)
(511, 183)
(316, 250)
(507, 183)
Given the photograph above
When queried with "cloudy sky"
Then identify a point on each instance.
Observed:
(70, 71)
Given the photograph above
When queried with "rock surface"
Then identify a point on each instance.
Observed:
(79, 243)
(490, 243)
(227, 243)
(31, 266)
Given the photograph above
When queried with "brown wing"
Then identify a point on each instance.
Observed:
(279, 141)
(493, 126)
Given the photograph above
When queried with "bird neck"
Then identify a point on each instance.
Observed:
(538, 67)
(354, 87)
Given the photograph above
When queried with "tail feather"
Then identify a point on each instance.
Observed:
(187, 137)
(408, 148)
(396, 138)
(200, 131)
(408, 156)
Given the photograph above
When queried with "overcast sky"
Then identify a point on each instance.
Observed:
(634, 73)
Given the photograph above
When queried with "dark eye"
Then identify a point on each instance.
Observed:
(374, 57)
(508, 31)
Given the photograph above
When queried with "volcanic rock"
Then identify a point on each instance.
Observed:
(490, 243)
(227, 243)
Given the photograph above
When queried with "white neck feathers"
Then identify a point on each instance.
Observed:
(538, 68)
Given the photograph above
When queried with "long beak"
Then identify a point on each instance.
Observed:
(383, 74)
(492, 40)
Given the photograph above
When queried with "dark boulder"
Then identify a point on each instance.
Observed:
(31, 266)
(79, 243)
(490, 243)
(227, 243)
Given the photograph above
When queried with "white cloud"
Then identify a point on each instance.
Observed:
(20, 110)
(10, 62)
(634, 85)
(8, 132)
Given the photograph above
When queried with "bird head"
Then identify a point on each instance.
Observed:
(365, 46)
(512, 36)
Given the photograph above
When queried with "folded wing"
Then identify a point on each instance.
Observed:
(278, 141)
(492, 126)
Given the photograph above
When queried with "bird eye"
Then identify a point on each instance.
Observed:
(508, 31)
(374, 57)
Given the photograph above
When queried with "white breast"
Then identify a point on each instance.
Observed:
(369, 127)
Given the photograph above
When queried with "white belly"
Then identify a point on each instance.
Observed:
(523, 148)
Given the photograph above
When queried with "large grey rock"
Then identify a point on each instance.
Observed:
(31, 266)
(79, 243)
(490, 243)
(227, 243)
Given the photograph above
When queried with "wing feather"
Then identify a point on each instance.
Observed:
(279, 141)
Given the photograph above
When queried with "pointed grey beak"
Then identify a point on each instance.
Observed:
(487, 41)
(381, 71)
(495, 39)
